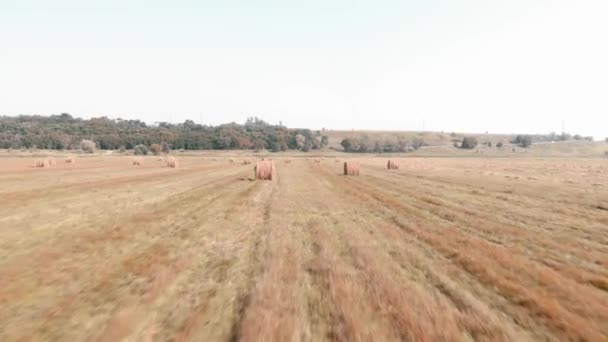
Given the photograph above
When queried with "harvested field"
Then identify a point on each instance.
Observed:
(442, 249)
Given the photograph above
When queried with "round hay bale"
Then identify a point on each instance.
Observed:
(172, 162)
(246, 161)
(392, 164)
(50, 162)
(317, 161)
(265, 170)
(70, 160)
(351, 168)
(40, 163)
(138, 161)
(288, 161)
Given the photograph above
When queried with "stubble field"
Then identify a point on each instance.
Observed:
(452, 249)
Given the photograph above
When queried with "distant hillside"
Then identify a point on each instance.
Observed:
(430, 138)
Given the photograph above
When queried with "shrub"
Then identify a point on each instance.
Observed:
(155, 148)
(418, 143)
(122, 149)
(88, 146)
(140, 149)
(523, 140)
(468, 143)
(489, 144)
(499, 144)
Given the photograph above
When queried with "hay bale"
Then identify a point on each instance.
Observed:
(288, 161)
(246, 161)
(70, 160)
(138, 161)
(40, 163)
(51, 162)
(172, 162)
(265, 170)
(317, 161)
(231, 160)
(392, 164)
(351, 168)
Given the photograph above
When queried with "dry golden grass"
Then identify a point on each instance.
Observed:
(438, 250)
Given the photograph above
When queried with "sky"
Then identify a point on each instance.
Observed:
(512, 66)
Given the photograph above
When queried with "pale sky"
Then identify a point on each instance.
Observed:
(512, 66)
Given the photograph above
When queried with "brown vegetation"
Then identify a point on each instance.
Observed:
(138, 161)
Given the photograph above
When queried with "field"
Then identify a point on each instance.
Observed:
(443, 249)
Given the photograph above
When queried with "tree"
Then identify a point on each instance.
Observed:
(140, 149)
(468, 143)
(324, 141)
(88, 146)
(523, 140)
(300, 140)
(155, 148)
(165, 147)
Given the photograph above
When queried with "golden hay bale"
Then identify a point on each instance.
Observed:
(317, 160)
(392, 164)
(40, 163)
(70, 160)
(288, 161)
(246, 161)
(231, 160)
(51, 161)
(264, 170)
(351, 168)
(172, 162)
(138, 161)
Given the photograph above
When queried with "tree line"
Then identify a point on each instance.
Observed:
(64, 132)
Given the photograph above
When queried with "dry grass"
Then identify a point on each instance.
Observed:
(442, 250)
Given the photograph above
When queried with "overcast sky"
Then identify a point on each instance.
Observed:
(472, 65)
